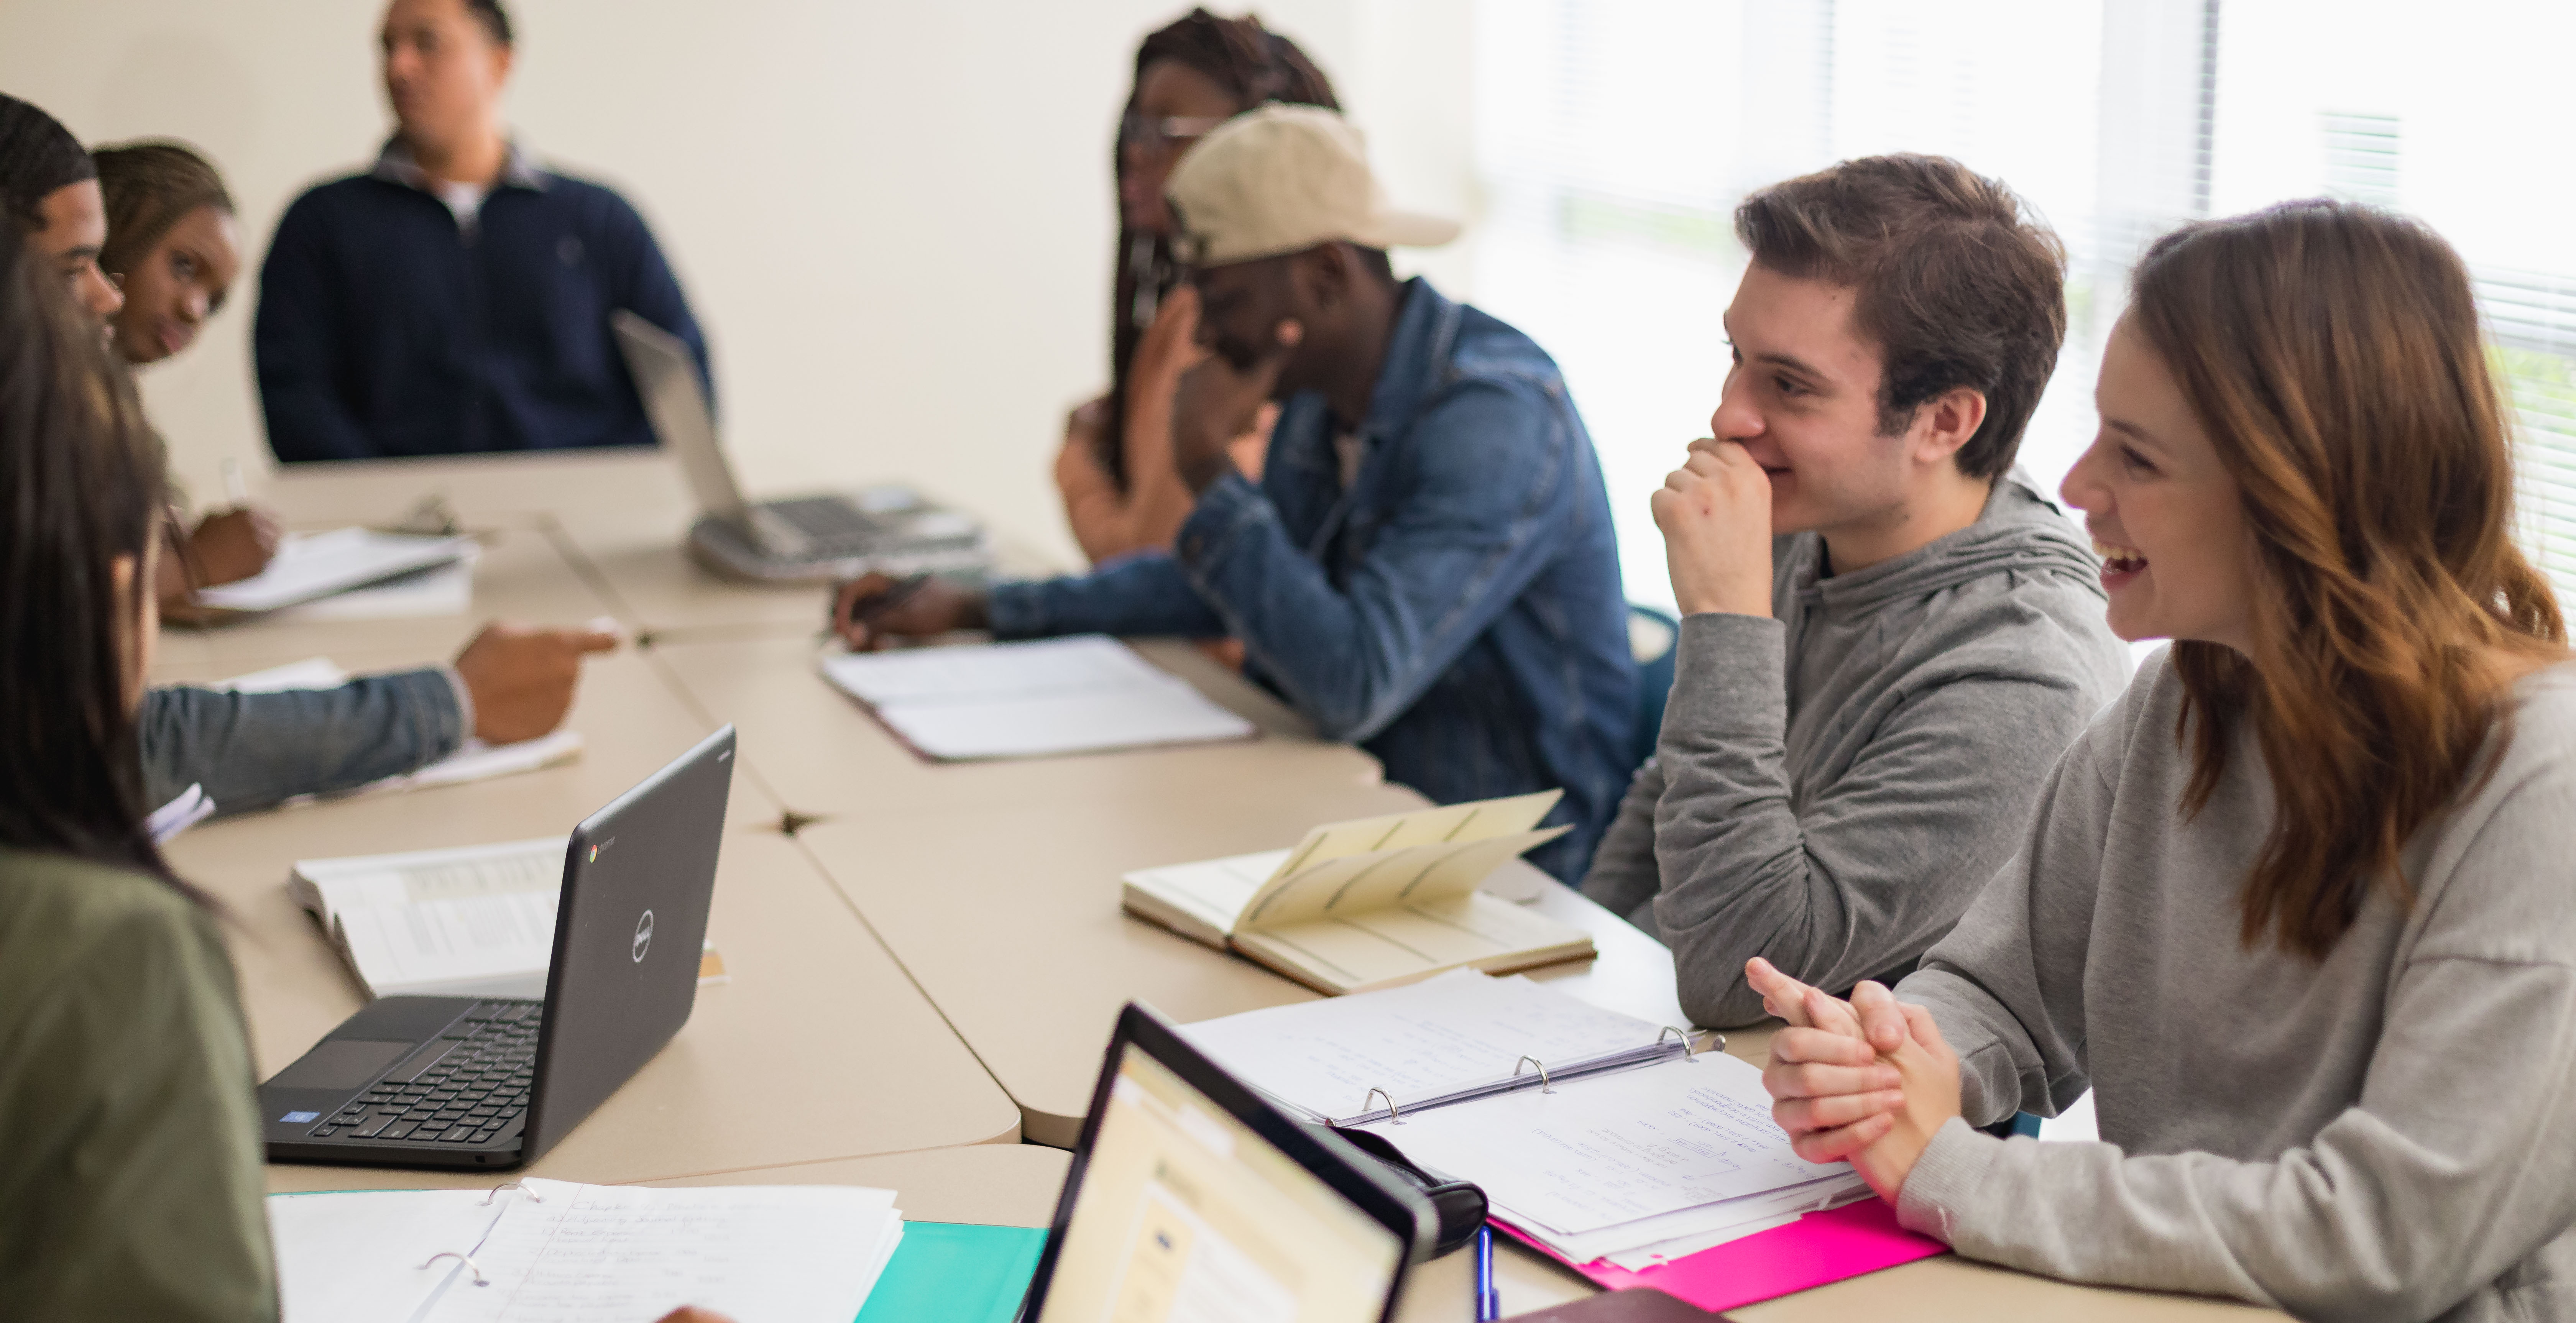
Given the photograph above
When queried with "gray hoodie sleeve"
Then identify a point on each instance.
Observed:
(1879, 864)
(2454, 1168)
(1622, 878)
(252, 750)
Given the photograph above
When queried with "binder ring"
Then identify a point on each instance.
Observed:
(495, 1191)
(470, 1265)
(1543, 1085)
(1394, 1117)
(1690, 1053)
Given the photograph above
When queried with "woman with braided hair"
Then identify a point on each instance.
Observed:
(1115, 472)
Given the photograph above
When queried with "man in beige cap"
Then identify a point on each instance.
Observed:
(1426, 568)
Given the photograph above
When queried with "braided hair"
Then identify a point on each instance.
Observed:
(1256, 66)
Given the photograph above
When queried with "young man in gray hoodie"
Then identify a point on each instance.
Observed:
(1888, 634)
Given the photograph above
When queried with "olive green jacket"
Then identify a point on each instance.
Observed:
(130, 1173)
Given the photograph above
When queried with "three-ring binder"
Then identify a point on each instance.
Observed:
(466, 1257)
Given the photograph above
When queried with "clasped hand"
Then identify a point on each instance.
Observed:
(1869, 1080)
(1715, 513)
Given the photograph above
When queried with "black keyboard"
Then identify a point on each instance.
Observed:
(473, 1092)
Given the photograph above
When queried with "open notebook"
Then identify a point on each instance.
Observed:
(1084, 694)
(309, 566)
(1373, 902)
(1601, 1137)
(471, 921)
(540, 1251)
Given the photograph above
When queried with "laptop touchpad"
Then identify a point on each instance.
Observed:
(341, 1063)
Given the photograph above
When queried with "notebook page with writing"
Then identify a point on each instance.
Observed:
(1030, 699)
(619, 1254)
(1426, 1042)
(1610, 1149)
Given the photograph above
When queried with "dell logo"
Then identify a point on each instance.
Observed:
(643, 936)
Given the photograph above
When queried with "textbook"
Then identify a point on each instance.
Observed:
(541, 1251)
(1371, 903)
(473, 921)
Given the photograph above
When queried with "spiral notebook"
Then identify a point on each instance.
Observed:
(540, 1251)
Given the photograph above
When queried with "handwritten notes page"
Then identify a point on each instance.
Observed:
(616, 1254)
(1459, 1033)
(1610, 1149)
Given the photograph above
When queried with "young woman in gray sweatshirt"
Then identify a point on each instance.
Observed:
(2299, 908)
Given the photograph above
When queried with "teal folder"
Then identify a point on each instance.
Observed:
(955, 1272)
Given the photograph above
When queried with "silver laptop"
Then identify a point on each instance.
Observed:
(804, 538)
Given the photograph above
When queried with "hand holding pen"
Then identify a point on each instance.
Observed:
(873, 607)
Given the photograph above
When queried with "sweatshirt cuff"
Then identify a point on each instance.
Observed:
(1944, 1179)
(464, 728)
(1730, 676)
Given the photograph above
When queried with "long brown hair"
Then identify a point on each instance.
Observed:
(149, 187)
(2333, 354)
(1256, 66)
(80, 488)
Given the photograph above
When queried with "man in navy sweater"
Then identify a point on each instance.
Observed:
(455, 299)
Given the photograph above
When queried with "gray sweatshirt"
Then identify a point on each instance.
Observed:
(1834, 784)
(2387, 1134)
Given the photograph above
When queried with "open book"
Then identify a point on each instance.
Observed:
(474, 921)
(1371, 903)
(1596, 1134)
(541, 1251)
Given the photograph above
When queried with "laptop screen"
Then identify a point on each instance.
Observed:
(1186, 1215)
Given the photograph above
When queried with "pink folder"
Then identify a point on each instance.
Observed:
(1816, 1249)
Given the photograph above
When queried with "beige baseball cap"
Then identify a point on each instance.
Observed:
(1283, 179)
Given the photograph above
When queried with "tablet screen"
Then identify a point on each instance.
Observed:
(1186, 1215)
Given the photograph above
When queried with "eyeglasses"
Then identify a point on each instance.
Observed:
(1164, 131)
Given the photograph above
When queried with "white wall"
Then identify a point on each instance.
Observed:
(893, 219)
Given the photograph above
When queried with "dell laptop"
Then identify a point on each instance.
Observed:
(495, 1082)
(807, 538)
(1193, 1197)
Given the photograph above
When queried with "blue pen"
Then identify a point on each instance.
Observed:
(1489, 1302)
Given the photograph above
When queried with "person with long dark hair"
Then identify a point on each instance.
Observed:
(130, 1185)
(2297, 908)
(1121, 492)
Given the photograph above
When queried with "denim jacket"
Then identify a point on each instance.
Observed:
(250, 751)
(1457, 612)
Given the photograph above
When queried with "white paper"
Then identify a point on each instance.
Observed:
(441, 590)
(1018, 700)
(1419, 1041)
(355, 1256)
(472, 761)
(188, 809)
(579, 1253)
(1615, 1148)
(629, 1254)
(313, 565)
(477, 921)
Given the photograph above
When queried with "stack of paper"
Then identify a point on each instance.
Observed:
(1444, 1040)
(310, 566)
(476, 921)
(1632, 1151)
(1082, 694)
(557, 1252)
